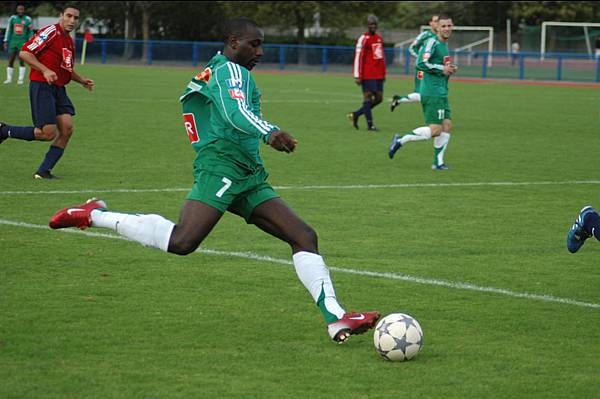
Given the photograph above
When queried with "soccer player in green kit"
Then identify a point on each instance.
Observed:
(414, 50)
(434, 60)
(222, 118)
(18, 32)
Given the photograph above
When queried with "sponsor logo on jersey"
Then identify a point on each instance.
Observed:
(204, 76)
(235, 87)
(67, 61)
(377, 50)
(19, 29)
(190, 128)
(420, 75)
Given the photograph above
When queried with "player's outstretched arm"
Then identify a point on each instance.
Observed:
(282, 141)
(86, 83)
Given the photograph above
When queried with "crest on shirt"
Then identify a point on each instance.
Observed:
(67, 61)
(204, 76)
(235, 88)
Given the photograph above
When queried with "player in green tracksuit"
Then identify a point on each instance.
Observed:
(434, 61)
(414, 50)
(223, 121)
(18, 32)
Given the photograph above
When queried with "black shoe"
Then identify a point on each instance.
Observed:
(354, 119)
(44, 175)
(372, 129)
(2, 139)
(395, 102)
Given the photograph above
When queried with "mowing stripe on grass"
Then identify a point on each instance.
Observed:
(323, 187)
(389, 276)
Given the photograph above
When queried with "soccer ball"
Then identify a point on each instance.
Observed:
(398, 337)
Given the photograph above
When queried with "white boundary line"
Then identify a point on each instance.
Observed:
(388, 276)
(322, 187)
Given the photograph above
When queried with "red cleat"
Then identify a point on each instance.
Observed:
(352, 324)
(76, 216)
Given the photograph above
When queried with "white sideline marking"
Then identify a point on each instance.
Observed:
(322, 187)
(389, 276)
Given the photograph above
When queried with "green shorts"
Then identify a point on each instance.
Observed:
(435, 109)
(239, 196)
(15, 45)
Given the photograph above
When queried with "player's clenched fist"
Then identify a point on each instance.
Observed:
(282, 141)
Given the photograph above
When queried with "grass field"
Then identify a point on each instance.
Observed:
(477, 254)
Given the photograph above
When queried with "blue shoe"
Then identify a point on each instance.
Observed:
(394, 146)
(440, 167)
(577, 235)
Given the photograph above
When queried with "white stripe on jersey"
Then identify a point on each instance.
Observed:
(46, 32)
(223, 101)
(428, 49)
(357, 56)
(236, 73)
(263, 123)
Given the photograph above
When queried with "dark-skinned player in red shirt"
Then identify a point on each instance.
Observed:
(369, 72)
(51, 55)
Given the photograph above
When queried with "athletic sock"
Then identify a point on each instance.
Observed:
(367, 105)
(21, 73)
(419, 134)
(410, 98)
(591, 224)
(314, 274)
(17, 132)
(440, 143)
(52, 157)
(149, 230)
(9, 73)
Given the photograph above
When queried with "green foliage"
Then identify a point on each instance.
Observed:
(90, 316)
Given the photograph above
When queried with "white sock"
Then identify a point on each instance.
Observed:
(21, 73)
(440, 143)
(411, 98)
(420, 133)
(149, 230)
(9, 73)
(314, 274)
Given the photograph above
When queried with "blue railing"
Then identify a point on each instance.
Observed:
(476, 64)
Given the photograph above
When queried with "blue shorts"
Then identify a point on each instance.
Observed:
(372, 85)
(48, 101)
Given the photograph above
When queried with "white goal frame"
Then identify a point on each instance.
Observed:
(584, 25)
(469, 47)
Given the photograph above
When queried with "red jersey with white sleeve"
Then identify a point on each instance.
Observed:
(369, 58)
(54, 48)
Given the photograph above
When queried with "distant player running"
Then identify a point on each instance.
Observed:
(414, 50)
(434, 60)
(222, 118)
(586, 225)
(18, 32)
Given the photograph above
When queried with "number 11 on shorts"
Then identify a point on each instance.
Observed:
(227, 182)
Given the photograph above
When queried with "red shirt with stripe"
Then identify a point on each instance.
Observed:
(369, 57)
(55, 49)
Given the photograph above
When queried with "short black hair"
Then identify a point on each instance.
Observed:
(64, 8)
(444, 16)
(237, 27)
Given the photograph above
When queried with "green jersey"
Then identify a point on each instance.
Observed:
(417, 44)
(19, 30)
(222, 117)
(432, 58)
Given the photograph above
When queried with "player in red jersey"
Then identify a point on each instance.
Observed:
(369, 71)
(51, 55)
